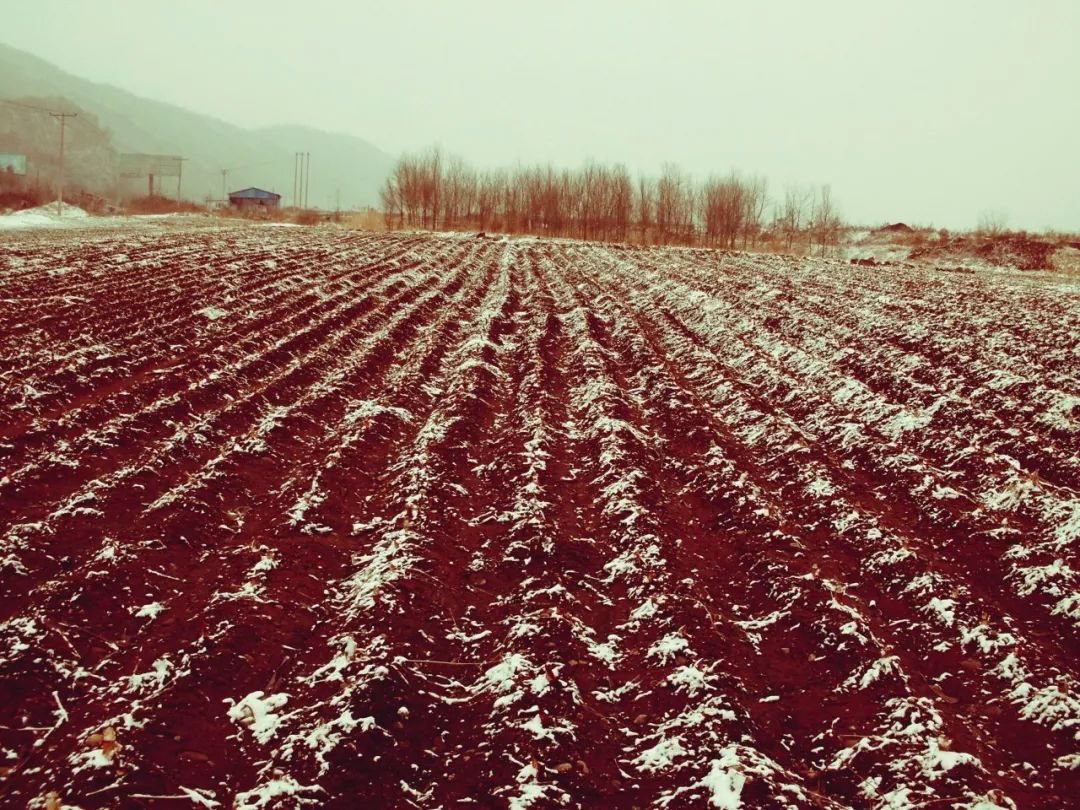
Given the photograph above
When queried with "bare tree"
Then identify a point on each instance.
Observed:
(489, 194)
(674, 206)
(553, 191)
(430, 180)
(620, 202)
(400, 194)
(468, 188)
(411, 188)
(992, 222)
(723, 209)
(755, 199)
(646, 206)
(390, 201)
(511, 205)
(789, 222)
(597, 201)
(825, 222)
(454, 191)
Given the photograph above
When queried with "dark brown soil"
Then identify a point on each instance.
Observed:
(303, 518)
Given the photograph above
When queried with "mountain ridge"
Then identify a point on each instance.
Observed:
(340, 162)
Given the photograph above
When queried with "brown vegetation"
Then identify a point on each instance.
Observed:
(602, 203)
(1007, 249)
(306, 216)
(369, 219)
(992, 223)
(16, 199)
(157, 204)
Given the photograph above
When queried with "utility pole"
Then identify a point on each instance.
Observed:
(180, 178)
(224, 174)
(63, 121)
(295, 175)
(307, 179)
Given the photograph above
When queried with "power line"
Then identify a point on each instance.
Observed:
(63, 117)
(32, 107)
(254, 165)
(82, 122)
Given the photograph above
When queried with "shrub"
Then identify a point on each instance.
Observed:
(160, 205)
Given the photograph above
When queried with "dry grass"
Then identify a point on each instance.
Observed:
(369, 220)
(306, 217)
(161, 205)
(1066, 260)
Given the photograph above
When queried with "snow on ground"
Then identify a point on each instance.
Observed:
(45, 216)
(291, 516)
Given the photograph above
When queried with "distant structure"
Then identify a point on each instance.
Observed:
(13, 164)
(254, 199)
(12, 171)
(136, 166)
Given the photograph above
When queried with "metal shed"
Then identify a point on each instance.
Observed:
(256, 198)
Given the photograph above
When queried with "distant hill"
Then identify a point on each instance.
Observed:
(261, 157)
(89, 153)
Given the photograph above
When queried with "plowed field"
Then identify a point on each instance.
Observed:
(300, 518)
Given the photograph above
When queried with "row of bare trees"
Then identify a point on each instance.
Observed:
(435, 191)
(807, 214)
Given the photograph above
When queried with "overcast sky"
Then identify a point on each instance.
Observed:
(927, 112)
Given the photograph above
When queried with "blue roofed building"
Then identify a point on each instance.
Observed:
(254, 199)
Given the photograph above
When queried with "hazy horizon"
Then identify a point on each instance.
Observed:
(911, 112)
